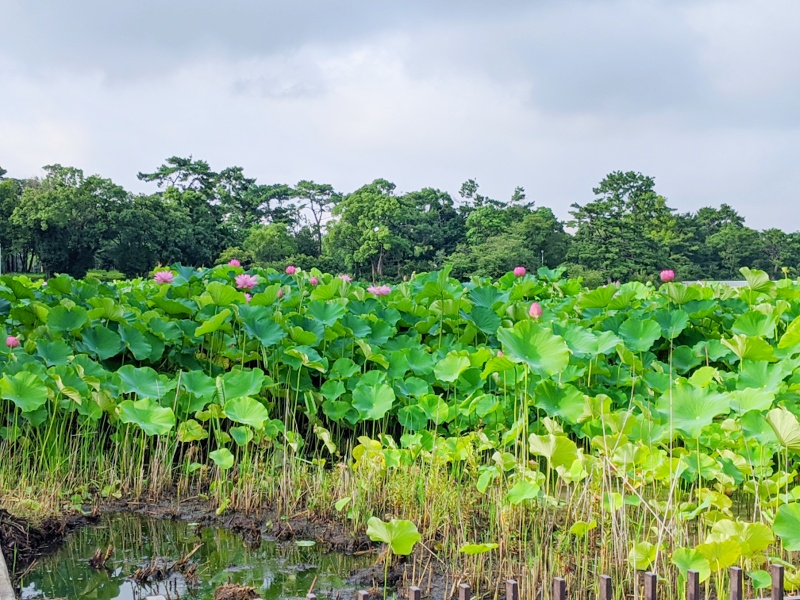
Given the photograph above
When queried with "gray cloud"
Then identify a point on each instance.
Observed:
(549, 95)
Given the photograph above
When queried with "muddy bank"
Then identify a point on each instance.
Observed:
(23, 541)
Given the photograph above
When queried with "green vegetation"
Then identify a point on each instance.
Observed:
(67, 222)
(524, 426)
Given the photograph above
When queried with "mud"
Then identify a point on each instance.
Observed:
(22, 542)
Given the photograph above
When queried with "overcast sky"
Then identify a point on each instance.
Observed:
(704, 96)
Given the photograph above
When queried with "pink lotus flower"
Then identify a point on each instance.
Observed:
(500, 353)
(667, 275)
(164, 277)
(346, 278)
(280, 293)
(246, 282)
(12, 341)
(519, 271)
(536, 310)
(247, 297)
(234, 263)
(291, 270)
(379, 290)
(313, 280)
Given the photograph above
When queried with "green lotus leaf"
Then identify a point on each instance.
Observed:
(191, 431)
(691, 409)
(150, 416)
(373, 401)
(400, 535)
(223, 458)
(536, 346)
(247, 411)
(61, 318)
(687, 559)
(102, 342)
(787, 526)
(25, 390)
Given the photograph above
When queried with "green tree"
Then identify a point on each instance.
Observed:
(318, 198)
(67, 216)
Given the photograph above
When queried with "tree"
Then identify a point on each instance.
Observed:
(67, 217)
(183, 174)
(319, 198)
(626, 232)
(270, 244)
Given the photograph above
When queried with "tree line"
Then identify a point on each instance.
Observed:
(67, 222)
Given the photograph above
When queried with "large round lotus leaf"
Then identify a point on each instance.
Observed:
(373, 401)
(25, 390)
(536, 346)
(248, 411)
(62, 318)
(787, 526)
(153, 418)
(142, 381)
(102, 342)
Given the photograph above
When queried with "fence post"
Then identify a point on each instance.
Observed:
(311, 596)
(777, 582)
(363, 595)
(414, 593)
(737, 584)
(693, 585)
(559, 589)
(650, 584)
(512, 590)
(464, 591)
(605, 587)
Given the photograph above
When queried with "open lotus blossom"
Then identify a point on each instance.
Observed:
(313, 280)
(385, 290)
(536, 310)
(164, 277)
(291, 270)
(246, 282)
(247, 297)
(234, 263)
(12, 341)
(520, 271)
(344, 277)
(667, 275)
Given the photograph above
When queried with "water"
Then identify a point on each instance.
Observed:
(275, 570)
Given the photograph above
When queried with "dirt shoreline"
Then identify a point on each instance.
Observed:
(23, 541)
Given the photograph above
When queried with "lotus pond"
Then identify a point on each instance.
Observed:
(274, 570)
(526, 426)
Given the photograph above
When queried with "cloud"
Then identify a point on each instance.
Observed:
(548, 95)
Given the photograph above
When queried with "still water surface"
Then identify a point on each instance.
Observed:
(275, 570)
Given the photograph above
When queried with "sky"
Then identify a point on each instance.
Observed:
(704, 96)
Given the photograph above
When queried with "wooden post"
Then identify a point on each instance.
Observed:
(414, 593)
(311, 596)
(777, 582)
(737, 584)
(693, 586)
(650, 585)
(559, 589)
(605, 587)
(362, 595)
(512, 590)
(464, 591)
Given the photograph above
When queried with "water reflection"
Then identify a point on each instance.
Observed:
(275, 570)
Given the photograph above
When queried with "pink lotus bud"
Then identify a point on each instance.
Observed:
(247, 297)
(234, 263)
(346, 278)
(12, 341)
(500, 353)
(520, 271)
(667, 275)
(535, 310)
(280, 293)
(291, 270)
(313, 280)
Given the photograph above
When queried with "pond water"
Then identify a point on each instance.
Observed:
(276, 570)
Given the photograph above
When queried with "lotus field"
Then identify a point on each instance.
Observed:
(526, 426)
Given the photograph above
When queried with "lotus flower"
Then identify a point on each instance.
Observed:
(234, 263)
(280, 293)
(12, 341)
(246, 282)
(379, 290)
(667, 275)
(164, 277)
(385, 290)
(535, 310)
(500, 353)
(291, 270)
(247, 297)
(346, 278)
(519, 271)
(313, 280)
